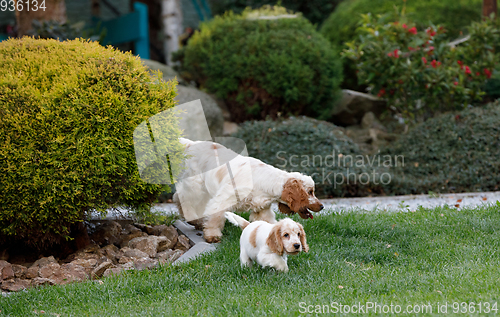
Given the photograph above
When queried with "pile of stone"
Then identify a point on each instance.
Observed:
(114, 250)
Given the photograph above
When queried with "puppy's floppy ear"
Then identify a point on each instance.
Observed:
(295, 195)
(274, 241)
(303, 240)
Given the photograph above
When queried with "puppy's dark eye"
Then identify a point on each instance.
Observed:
(286, 235)
(298, 234)
(310, 192)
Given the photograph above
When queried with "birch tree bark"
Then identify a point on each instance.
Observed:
(172, 26)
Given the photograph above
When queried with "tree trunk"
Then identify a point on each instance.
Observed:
(54, 10)
(489, 7)
(172, 26)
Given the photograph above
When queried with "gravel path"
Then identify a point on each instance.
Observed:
(387, 203)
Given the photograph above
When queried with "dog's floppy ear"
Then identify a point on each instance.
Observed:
(274, 240)
(294, 195)
(303, 240)
(285, 209)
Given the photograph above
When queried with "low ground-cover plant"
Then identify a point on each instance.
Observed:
(416, 70)
(316, 148)
(416, 260)
(264, 66)
(68, 112)
(450, 153)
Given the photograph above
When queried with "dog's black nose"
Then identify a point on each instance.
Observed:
(296, 245)
(321, 207)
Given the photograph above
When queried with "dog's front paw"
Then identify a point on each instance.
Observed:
(212, 239)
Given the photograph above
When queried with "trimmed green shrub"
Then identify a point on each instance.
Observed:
(454, 15)
(68, 112)
(450, 153)
(264, 66)
(316, 148)
(315, 11)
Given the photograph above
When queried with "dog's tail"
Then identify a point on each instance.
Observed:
(236, 220)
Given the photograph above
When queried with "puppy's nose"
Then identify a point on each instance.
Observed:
(296, 245)
(321, 207)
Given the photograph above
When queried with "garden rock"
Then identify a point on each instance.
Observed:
(353, 106)
(99, 270)
(95, 262)
(19, 270)
(6, 271)
(112, 252)
(211, 112)
(182, 243)
(145, 263)
(229, 128)
(107, 233)
(126, 239)
(149, 245)
(133, 253)
(169, 256)
(15, 284)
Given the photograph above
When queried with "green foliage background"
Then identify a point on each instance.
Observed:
(264, 67)
(454, 15)
(315, 11)
(68, 111)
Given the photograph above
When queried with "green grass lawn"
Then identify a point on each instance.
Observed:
(428, 257)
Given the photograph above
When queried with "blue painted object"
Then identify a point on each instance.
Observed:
(132, 27)
(203, 16)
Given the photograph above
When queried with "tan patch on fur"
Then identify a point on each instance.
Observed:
(253, 237)
(303, 240)
(221, 173)
(295, 195)
(274, 241)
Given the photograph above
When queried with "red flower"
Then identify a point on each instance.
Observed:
(460, 63)
(400, 81)
(404, 26)
(431, 32)
(455, 83)
(410, 48)
(477, 73)
(435, 63)
(394, 54)
(467, 70)
(424, 60)
(381, 92)
(413, 30)
(487, 72)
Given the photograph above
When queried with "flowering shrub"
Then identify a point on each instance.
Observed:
(416, 70)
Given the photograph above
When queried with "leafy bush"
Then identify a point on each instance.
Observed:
(315, 11)
(454, 15)
(416, 70)
(316, 148)
(450, 153)
(68, 112)
(264, 66)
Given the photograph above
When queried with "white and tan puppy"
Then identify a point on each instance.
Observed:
(269, 244)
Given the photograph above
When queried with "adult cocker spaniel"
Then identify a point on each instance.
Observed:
(216, 179)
